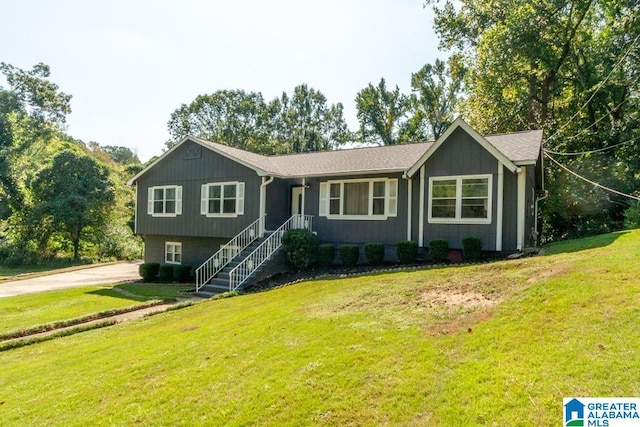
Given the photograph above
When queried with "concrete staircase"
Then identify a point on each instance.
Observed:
(220, 283)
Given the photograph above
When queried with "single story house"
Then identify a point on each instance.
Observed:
(201, 197)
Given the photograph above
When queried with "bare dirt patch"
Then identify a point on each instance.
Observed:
(552, 271)
(450, 298)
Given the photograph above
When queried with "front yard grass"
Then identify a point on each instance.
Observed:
(495, 344)
(26, 311)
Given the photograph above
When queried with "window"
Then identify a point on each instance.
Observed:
(222, 199)
(359, 199)
(173, 252)
(164, 201)
(461, 199)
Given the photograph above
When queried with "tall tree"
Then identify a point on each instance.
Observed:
(231, 117)
(568, 67)
(31, 108)
(305, 122)
(437, 88)
(302, 122)
(75, 194)
(383, 114)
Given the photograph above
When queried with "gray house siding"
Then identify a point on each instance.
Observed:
(510, 211)
(278, 207)
(461, 155)
(195, 250)
(388, 231)
(183, 167)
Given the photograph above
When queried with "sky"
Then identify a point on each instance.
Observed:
(130, 64)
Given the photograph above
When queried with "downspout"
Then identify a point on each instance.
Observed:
(545, 194)
(263, 201)
(421, 208)
(304, 192)
(409, 201)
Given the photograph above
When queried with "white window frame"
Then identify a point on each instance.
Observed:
(390, 199)
(204, 199)
(458, 219)
(164, 188)
(170, 256)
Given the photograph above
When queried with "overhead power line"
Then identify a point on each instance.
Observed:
(598, 87)
(578, 153)
(590, 181)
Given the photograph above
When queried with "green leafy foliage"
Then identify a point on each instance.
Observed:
(374, 253)
(326, 254)
(407, 251)
(472, 248)
(348, 254)
(75, 193)
(166, 273)
(300, 123)
(182, 273)
(438, 249)
(300, 247)
(632, 217)
(149, 271)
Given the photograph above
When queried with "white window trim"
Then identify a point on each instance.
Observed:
(150, 201)
(391, 186)
(204, 199)
(166, 252)
(458, 219)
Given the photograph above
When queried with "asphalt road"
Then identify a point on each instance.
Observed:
(113, 273)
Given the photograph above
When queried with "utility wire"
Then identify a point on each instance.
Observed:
(578, 153)
(598, 87)
(589, 181)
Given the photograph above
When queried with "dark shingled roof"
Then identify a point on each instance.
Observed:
(520, 147)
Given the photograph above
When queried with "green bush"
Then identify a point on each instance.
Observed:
(407, 251)
(326, 254)
(632, 217)
(149, 271)
(182, 273)
(472, 248)
(374, 253)
(348, 254)
(165, 274)
(300, 247)
(438, 249)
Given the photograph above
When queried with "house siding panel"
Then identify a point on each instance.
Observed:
(461, 155)
(278, 202)
(195, 250)
(510, 212)
(181, 168)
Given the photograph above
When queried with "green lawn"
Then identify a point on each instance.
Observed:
(25, 311)
(496, 344)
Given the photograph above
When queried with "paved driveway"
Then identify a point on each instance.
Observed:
(113, 273)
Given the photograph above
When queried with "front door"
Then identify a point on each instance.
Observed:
(296, 200)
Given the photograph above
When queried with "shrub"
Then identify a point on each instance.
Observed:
(300, 247)
(472, 248)
(632, 217)
(348, 254)
(165, 274)
(407, 251)
(182, 273)
(149, 271)
(326, 254)
(438, 249)
(374, 253)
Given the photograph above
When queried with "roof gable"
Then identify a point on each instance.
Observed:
(513, 149)
(459, 123)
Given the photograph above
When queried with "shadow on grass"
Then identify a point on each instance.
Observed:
(113, 293)
(583, 244)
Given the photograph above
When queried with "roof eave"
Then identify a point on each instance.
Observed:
(459, 123)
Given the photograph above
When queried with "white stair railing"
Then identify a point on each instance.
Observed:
(227, 252)
(262, 253)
